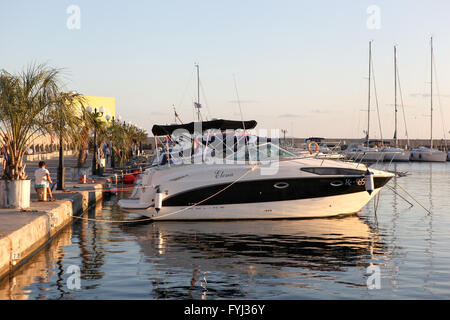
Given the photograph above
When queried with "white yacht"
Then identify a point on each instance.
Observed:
(323, 153)
(396, 154)
(233, 175)
(360, 153)
(428, 155)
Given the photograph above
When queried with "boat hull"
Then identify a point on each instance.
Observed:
(319, 207)
(428, 156)
(397, 156)
(365, 156)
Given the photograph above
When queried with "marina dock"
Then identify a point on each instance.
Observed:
(24, 232)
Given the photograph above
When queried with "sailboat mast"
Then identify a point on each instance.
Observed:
(431, 95)
(395, 95)
(368, 99)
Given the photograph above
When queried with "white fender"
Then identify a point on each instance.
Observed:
(370, 185)
(158, 199)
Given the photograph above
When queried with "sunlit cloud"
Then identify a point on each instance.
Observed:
(289, 115)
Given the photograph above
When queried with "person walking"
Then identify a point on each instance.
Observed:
(108, 156)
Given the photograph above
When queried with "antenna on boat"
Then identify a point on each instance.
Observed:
(197, 104)
(177, 117)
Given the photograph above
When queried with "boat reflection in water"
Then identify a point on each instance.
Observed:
(231, 258)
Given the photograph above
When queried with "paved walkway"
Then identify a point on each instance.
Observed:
(52, 166)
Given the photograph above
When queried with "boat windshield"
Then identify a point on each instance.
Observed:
(265, 151)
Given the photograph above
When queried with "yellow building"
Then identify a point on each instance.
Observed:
(108, 103)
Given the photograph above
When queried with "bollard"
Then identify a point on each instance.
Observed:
(83, 178)
(42, 194)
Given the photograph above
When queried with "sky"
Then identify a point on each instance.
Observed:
(295, 65)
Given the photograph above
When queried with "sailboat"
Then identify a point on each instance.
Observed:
(395, 153)
(424, 153)
(365, 152)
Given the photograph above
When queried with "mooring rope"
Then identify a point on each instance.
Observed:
(417, 201)
(395, 191)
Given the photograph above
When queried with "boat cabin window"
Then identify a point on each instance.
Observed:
(334, 171)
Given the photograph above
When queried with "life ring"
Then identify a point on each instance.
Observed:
(316, 147)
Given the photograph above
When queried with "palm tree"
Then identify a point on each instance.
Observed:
(67, 121)
(89, 121)
(26, 102)
(118, 135)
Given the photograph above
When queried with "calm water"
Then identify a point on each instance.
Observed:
(319, 259)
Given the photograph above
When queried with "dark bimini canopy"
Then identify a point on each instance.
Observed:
(220, 124)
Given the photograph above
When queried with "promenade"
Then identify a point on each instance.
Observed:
(25, 232)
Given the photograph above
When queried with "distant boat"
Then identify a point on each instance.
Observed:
(324, 151)
(365, 152)
(425, 153)
(395, 153)
(357, 152)
(428, 155)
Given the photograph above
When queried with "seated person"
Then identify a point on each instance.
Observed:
(43, 180)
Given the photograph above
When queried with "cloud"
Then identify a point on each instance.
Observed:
(288, 115)
(319, 111)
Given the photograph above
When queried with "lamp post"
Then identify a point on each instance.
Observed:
(112, 149)
(113, 161)
(61, 172)
(108, 117)
(94, 160)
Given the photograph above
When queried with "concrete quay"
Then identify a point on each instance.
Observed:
(25, 232)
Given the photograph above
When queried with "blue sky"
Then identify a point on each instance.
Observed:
(299, 65)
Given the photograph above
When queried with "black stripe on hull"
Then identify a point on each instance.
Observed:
(272, 190)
